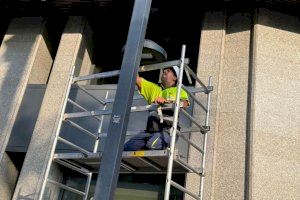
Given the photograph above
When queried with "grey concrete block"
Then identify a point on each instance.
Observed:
(8, 177)
(275, 178)
(16, 58)
(229, 159)
(34, 167)
(276, 107)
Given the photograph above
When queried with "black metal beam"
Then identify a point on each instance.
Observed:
(112, 154)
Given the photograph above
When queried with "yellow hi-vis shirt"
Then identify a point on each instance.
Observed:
(150, 91)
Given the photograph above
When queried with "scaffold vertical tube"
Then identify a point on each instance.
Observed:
(205, 142)
(174, 126)
(100, 127)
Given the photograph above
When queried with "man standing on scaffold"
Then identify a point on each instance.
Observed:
(156, 136)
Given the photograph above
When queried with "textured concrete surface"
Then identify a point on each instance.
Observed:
(209, 64)
(8, 177)
(224, 54)
(35, 164)
(17, 53)
(229, 157)
(276, 124)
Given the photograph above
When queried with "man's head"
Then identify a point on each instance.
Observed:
(169, 76)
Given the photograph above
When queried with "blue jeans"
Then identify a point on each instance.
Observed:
(148, 141)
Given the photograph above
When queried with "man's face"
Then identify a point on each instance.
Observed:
(168, 78)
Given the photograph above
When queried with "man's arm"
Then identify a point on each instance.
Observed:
(161, 100)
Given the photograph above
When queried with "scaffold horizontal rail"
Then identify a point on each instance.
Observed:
(200, 89)
(66, 187)
(71, 165)
(97, 76)
(161, 65)
(145, 161)
(135, 97)
(108, 112)
(86, 114)
(128, 133)
(143, 68)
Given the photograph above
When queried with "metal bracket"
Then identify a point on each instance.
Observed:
(207, 129)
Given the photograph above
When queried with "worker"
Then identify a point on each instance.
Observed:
(156, 136)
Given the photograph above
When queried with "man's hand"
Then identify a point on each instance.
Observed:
(160, 100)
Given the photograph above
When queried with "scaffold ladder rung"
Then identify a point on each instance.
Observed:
(73, 166)
(193, 120)
(82, 129)
(187, 166)
(190, 142)
(66, 187)
(73, 145)
(179, 187)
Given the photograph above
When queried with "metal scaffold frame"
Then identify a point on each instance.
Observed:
(65, 158)
(119, 120)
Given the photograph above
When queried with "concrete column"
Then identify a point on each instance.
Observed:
(8, 177)
(86, 67)
(38, 154)
(18, 50)
(276, 108)
(224, 55)
(209, 64)
(230, 139)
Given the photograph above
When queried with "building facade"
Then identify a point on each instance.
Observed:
(251, 50)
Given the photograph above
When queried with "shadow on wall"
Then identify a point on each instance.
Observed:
(279, 20)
